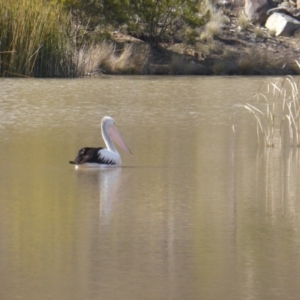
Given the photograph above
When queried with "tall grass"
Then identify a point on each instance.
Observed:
(36, 40)
(280, 102)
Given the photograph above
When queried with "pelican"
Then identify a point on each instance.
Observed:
(103, 157)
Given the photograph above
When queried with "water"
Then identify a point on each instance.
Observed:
(197, 212)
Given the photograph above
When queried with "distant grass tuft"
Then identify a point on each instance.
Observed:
(243, 22)
(214, 27)
(259, 33)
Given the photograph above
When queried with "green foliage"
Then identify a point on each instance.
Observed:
(115, 12)
(151, 20)
(158, 20)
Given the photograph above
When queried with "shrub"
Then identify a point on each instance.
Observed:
(149, 20)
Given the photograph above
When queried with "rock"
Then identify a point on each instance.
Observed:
(256, 10)
(287, 8)
(223, 3)
(297, 33)
(282, 24)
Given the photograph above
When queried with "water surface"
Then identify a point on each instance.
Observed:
(197, 212)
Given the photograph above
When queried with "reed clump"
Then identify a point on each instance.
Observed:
(278, 105)
(36, 39)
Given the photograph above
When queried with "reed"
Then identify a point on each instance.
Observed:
(281, 103)
(289, 92)
(264, 122)
(36, 40)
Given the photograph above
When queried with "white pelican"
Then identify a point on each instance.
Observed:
(103, 157)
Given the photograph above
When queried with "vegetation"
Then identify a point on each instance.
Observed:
(60, 38)
(35, 40)
(71, 38)
(243, 22)
(152, 21)
(105, 57)
(213, 27)
(277, 106)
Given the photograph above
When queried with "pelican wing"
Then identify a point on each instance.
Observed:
(86, 155)
(100, 156)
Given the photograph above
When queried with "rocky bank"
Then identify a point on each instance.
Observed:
(254, 50)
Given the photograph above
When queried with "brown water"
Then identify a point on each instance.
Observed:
(197, 213)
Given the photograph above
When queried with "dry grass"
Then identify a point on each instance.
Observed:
(281, 102)
(214, 27)
(252, 59)
(233, 62)
(90, 57)
(259, 33)
(260, 127)
(243, 22)
(105, 57)
(289, 92)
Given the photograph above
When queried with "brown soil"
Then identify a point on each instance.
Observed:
(234, 52)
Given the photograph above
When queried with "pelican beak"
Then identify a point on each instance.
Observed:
(115, 134)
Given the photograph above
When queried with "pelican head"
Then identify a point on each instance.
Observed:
(110, 131)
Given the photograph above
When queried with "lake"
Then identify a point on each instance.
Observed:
(198, 211)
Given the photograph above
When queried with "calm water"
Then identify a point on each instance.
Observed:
(197, 212)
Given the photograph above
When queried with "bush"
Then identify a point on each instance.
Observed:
(153, 21)
(158, 21)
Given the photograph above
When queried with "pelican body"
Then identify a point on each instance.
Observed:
(103, 157)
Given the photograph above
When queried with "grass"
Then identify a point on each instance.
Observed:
(252, 59)
(107, 58)
(259, 33)
(35, 40)
(280, 101)
(243, 22)
(38, 39)
(290, 107)
(213, 28)
(264, 121)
